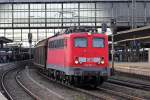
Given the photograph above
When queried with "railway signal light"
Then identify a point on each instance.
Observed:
(30, 37)
(30, 41)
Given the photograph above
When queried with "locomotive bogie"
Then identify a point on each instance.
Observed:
(77, 80)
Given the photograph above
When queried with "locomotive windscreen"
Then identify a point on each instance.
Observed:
(80, 42)
(98, 42)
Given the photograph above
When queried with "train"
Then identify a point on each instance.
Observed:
(77, 56)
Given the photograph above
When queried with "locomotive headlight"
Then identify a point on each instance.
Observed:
(76, 62)
(102, 60)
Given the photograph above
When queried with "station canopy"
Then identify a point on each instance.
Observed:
(60, 0)
(5, 40)
(141, 34)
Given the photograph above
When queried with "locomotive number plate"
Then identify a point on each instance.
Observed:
(89, 59)
(88, 65)
(93, 59)
(82, 59)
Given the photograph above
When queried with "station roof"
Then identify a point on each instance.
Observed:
(141, 34)
(5, 40)
(26, 1)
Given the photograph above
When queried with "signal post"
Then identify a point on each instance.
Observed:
(30, 43)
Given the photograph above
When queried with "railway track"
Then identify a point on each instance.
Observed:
(131, 84)
(13, 88)
(101, 97)
(100, 93)
(120, 94)
(136, 76)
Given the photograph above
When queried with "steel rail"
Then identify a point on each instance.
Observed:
(8, 95)
(116, 93)
(130, 84)
(3, 83)
(25, 88)
(120, 94)
(99, 96)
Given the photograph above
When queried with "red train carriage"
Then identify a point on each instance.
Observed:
(76, 57)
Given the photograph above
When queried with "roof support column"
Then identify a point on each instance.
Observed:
(95, 15)
(62, 15)
(78, 14)
(145, 13)
(45, 20)
(37, 35)
(13, 21)
(149, 55)
(21, 35)
(1, 45)
(29, 17)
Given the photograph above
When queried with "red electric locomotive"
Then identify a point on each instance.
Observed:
(78, 56)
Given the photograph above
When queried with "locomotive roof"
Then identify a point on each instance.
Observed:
(74, 29)
(78, 29)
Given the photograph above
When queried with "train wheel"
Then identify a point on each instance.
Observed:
(94, 86)
(77, 81)
(102, 79)
(71, 80)
(66, 79)
(57, 75)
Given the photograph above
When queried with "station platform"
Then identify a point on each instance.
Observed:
(2, 64)
(2, 97)
(135, 68)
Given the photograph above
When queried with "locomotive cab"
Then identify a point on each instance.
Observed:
(88, 56)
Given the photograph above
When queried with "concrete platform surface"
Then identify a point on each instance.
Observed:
(2, 97)
(2, 64)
